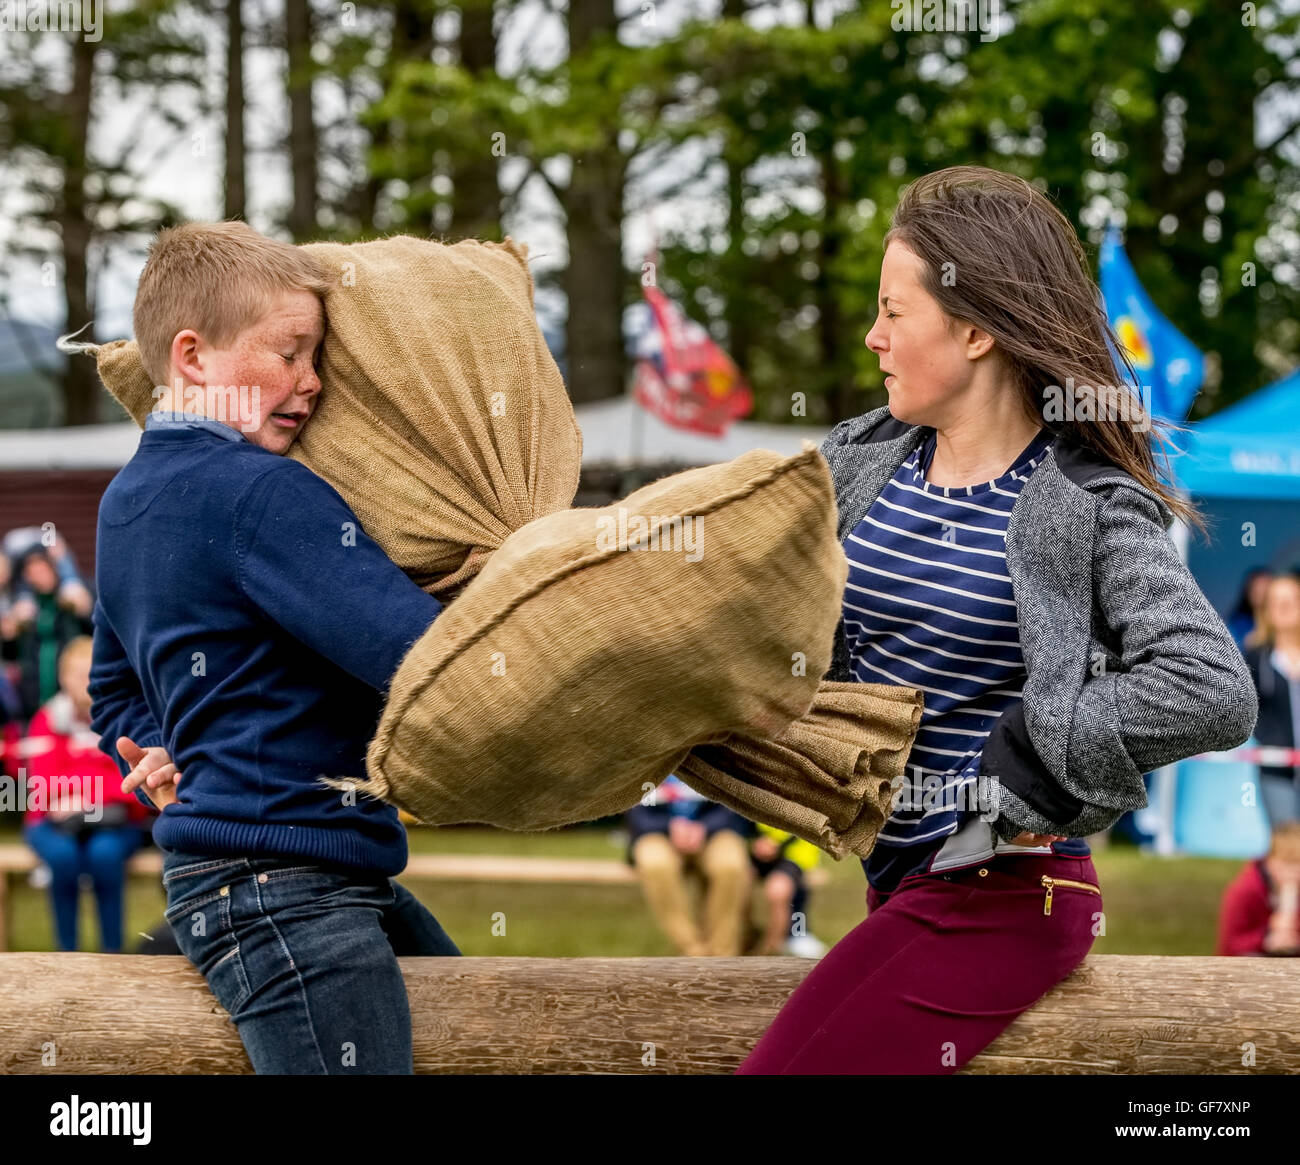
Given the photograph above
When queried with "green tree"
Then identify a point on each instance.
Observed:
(73, 202)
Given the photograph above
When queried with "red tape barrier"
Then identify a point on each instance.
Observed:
(1269, 756)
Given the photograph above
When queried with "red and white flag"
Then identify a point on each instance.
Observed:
(682, 376)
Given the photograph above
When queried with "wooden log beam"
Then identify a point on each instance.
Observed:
(133, 1014)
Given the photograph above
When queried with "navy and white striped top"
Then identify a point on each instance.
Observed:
(929, 605)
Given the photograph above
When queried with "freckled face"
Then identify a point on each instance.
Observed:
(927, 367)
(278, 354)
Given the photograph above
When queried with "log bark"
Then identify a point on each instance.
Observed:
(131, 1014)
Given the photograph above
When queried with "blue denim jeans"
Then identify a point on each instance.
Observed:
(102, 853)
(303, 957)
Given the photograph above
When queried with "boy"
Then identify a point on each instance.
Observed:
(245, 630)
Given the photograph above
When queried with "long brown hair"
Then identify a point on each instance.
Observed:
(1000, 255)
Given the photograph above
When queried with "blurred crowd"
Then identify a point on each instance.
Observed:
(76, 819)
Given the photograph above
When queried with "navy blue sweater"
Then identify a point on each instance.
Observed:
(248, 624)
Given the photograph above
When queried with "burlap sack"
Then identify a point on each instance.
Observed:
(578, 670)
(442, 420)
(829, 777)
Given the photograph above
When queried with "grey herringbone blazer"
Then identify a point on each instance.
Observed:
(1129, 667)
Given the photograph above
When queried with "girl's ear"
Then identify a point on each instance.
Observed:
(978, 342)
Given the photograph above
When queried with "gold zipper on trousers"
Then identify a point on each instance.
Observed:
(1050, 884)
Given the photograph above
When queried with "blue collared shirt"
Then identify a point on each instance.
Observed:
(179, 420)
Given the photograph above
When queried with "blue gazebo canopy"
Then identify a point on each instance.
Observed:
(1249, 450)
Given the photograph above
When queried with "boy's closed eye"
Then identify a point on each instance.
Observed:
(290, 357)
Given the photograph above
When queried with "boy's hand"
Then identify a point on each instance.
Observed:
(152, 769)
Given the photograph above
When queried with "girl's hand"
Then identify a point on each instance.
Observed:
(1035, 838)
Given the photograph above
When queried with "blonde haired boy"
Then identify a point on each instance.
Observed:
(245, 632)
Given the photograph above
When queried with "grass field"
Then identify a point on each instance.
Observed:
(1153, 905)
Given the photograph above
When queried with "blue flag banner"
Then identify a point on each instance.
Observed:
(1169, 366)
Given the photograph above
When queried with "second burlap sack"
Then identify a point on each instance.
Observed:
(598, 646)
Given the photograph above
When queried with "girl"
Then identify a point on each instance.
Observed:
(1008, 554)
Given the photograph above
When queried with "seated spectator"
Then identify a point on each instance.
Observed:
(78, 821)
(46, 618)
(675, 832)
(781, 862)
(1261, 908)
